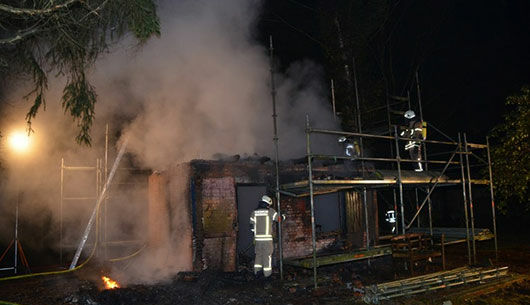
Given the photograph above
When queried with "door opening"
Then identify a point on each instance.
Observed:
(248, 197)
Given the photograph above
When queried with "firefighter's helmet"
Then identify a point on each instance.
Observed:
(409, 114)
(267, 200)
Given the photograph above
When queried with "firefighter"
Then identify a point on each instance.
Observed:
(351, 147)
(261, 224)
(416, 131)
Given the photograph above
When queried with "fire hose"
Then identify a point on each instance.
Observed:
(128, 256)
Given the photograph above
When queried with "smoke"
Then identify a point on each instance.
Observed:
(203, 88)
(200, 89)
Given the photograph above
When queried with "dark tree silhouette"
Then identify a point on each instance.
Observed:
(510, 153)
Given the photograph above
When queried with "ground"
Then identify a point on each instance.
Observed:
(337, 286)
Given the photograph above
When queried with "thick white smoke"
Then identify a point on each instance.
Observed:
(203, 88)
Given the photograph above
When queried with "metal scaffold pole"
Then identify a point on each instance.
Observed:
(470, 201)
(417, 205)
(276, 163)
(400, 182)
(424, 146)
(366, 222)
(492, 200)
(105, 201)
(429, 202)
(312, 199)
(358, 110)
(396, 229)
(333, 99)
(61, 203)
(16, 231)
(465, 198)
(98, 220)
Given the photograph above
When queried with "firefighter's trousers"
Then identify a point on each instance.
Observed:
(414, 149)
(263, 259)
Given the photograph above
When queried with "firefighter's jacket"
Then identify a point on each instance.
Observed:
(415, 131)
(261, 221)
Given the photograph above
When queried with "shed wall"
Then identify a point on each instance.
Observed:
(210, 241)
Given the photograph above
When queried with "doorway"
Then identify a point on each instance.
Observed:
(248, 197)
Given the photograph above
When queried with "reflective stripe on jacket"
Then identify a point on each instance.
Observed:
(262, 219)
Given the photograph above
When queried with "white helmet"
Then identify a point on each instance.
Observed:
(267, 200)
(409, 114)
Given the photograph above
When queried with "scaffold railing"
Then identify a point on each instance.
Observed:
(461, 148)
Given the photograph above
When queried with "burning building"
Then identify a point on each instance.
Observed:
(201, 209)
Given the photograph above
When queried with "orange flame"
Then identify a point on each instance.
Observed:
(110, 284)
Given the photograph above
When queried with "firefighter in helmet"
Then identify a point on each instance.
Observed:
(416, 131)
(351, 147)
(261, 224)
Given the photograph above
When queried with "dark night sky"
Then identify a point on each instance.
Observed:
(478, 53)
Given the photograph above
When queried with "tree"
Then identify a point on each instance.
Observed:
(510, 152)
(388, 40)
(38, 37)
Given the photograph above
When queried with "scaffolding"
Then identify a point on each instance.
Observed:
(101, 174)
(427, 182)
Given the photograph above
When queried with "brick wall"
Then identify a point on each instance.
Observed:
(219, 216)
(296, 229)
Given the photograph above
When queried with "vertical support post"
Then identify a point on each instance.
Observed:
(443, 251)
(424, 146)
(366, 222)
(400, 182)
(97, 237)
(333, 99)
(389, 123)
(417, 206)
(311, 197)
(492, 200)
(276, 162)
(16, 231)
(105, 202)
(464, 197)
(419, 95)
(358, 110)
(470, 202)
(396, 229)
(61, 202)
(429, 203)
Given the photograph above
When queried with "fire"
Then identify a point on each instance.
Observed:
(110, 284)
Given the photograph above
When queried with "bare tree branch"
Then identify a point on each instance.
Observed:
(18, 37)
(30, 11)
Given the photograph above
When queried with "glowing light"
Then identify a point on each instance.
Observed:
(19, 141)
(110, 284)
